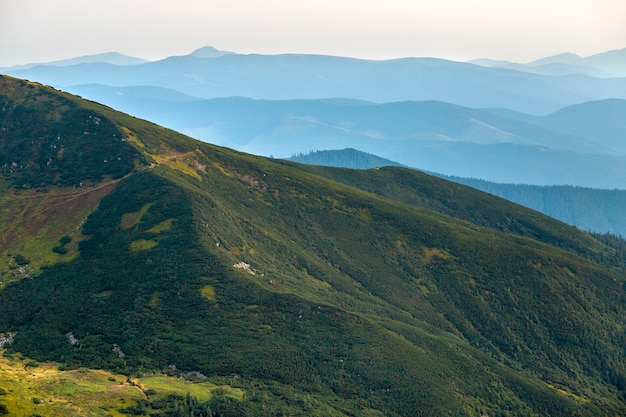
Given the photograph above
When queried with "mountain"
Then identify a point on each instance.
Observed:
(306, 290)
(600, 211)
(602, 122)
(567, 58)
(605, 64)
(113, 58)
(209, 52)
(612, 62)
(595, 210)
(123, 96)
(293, 76)
(552, 68)
(345, 158)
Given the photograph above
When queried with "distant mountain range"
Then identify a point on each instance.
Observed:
(600, 211)
(112, 58)
(579, 145)
(209, 73)
(605, 65)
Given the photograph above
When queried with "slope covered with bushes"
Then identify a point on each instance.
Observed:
(316, 295)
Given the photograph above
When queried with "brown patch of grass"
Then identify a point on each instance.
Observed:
(33, 221)
(131, 219)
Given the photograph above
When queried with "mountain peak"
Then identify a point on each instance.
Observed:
(564, 58)
(209, 52)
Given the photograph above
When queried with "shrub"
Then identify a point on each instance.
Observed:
(21, 260)
(61, 250)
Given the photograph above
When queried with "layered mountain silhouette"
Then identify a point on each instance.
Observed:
(580, 145)
(209, 73)
(606, 64)
(113, 58)
(313, 290)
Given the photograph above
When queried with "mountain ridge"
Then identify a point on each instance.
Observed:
(595, 210)
(604, 64)
(114, 58)
(318, 76)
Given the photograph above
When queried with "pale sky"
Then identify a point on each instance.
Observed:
(515, 30)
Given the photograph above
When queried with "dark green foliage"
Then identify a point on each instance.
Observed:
(385, 292)
(423, 190)
(590, 209)
(47, 138)
(3, 409)
(21, 260)
(346, 158)
(61, 250)
(597, 210)
(65, 240)
(187, 406)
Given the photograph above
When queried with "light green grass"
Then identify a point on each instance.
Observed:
(86, 392)
(161, 227)
(142, 244)
(203, 391)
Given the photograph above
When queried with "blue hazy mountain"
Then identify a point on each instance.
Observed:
(122, 96)
(601, 122)
(495, 145)
(606, 64)
(290, 76)
(113, 58)
(209, 52)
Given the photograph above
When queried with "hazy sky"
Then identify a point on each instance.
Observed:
(516, 30)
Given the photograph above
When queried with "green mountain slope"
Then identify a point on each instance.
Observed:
(594, 210)
(302, 287)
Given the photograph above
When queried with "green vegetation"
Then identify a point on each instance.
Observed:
(588, 208)
(295, 290)
(73, 145)
(596, 210)
(44, 389)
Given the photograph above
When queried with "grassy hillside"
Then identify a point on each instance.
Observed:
(314, 294)
(595, 210)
